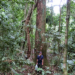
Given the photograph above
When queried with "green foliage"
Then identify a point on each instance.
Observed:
(70, 66)
(71, 73)
(51, 18)
(71, 45)
(55, 61)
(57, 73)
(11, 16)
(48, 72)
(43, 72)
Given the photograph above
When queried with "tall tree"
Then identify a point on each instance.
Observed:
(27, 29)
(40, 29)
(66, 38)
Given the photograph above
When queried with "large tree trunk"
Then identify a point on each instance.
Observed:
(40, 29)
(66, 38)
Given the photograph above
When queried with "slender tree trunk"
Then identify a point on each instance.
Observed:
(40, 29)
(66, 38)
(59, 40)
(24, 44)
(59, 27)
(27, 28)
(60, 17)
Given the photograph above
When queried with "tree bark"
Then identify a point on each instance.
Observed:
(40, 30)
(27, 29)
(59, 27)
(59, 40)
(66, 38)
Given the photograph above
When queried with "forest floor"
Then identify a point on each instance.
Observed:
(30, 69)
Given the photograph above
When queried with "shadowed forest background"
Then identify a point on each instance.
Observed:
(29, 26)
